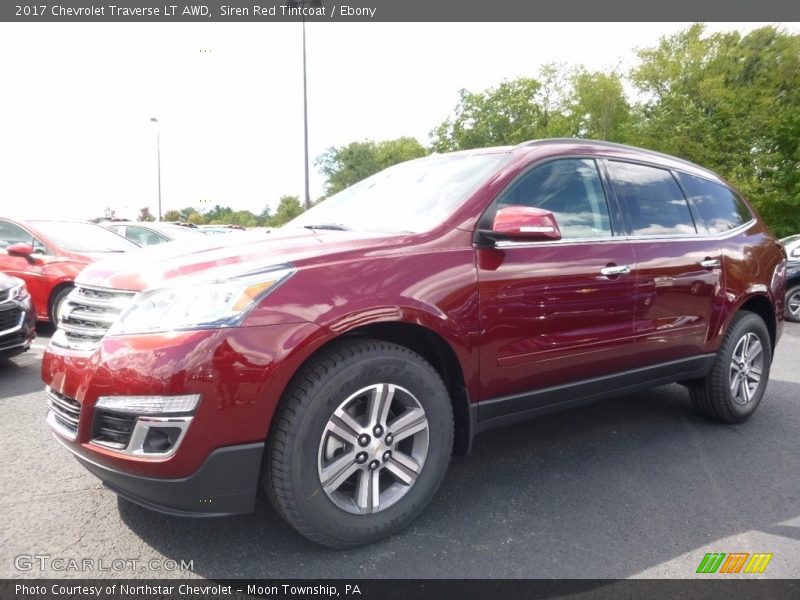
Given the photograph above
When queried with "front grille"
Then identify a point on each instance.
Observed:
(65, 413)
(10, 318)
(88, 315)
(113, 429)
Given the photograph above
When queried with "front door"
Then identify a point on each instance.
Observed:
(556, 312)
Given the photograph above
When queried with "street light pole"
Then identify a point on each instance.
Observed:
(305, 116)
(158, 157)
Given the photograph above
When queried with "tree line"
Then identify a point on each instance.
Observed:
(727, 101)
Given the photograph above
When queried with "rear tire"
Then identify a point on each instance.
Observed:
(734, 387)
(371, 419)
(792, 310)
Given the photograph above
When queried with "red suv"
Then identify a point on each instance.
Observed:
(341, 361)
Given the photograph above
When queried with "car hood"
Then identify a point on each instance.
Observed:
(218, 257)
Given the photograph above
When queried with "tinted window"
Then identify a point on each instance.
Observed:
(571, 190)
(655, 202)
(719, 207)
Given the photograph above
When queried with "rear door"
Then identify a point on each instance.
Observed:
(549, 314)
(678, 275)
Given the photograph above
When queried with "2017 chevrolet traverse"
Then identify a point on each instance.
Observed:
(339, 362)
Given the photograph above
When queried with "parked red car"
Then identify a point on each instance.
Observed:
(48, 255)
(341, 360)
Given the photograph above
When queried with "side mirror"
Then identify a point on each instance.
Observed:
(20, 249)
(796, 252)
(520, 223)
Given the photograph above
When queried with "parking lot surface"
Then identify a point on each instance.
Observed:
(640, 486)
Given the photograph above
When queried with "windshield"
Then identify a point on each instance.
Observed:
(413, 196)
(83, 237)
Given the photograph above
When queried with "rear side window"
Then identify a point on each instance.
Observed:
(654, 200)
(571, 189)
(720, 208)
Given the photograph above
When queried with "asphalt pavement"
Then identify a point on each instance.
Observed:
(640, 486)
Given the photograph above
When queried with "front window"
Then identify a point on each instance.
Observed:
(83, 237)
(569, 188)
(414, 196)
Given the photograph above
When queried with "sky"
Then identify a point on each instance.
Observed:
(76, 101)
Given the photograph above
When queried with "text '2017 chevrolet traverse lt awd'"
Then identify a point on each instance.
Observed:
(341, 361)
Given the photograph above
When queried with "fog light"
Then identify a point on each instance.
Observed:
(160, 440)
(157, 437)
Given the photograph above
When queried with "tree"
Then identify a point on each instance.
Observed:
(220, 215)
(265, 215)
(195, 218)
(172, 215)
(288, 208)
(185, 212)
(511, 113)
(145, 214)
(350, 164)
(731, 103)
(598, 106)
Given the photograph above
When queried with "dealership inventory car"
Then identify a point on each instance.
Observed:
(341, 360)
(148, 234)
(17, 318)
(792, 303)
(792, 245)
(48, 255)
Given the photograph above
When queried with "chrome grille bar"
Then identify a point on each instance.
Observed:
(64, 414)
(88, 315)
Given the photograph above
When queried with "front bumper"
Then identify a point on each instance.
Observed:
(239, 373)
(225, 484)
(16, 337)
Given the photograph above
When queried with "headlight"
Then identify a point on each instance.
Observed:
(18, 293)
(214, 304)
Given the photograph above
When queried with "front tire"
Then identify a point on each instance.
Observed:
(734, 387)
(792, 311)
(361, 443)
(57, 303)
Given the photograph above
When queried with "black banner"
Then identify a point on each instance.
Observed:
(388, 589)
(258, 11)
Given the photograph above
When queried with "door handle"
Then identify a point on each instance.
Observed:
(711, 263)
(612, 270)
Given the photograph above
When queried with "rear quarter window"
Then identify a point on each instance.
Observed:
(720, 207)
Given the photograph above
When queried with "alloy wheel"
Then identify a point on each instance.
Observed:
(793, 303)
(746, 367)
(373, 448)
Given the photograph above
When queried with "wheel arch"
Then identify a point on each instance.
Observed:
(59, 285)
(760, 304)
(431, 346)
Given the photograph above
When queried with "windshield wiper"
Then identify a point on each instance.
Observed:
(331, 226)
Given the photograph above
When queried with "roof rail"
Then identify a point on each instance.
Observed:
(547, 141)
